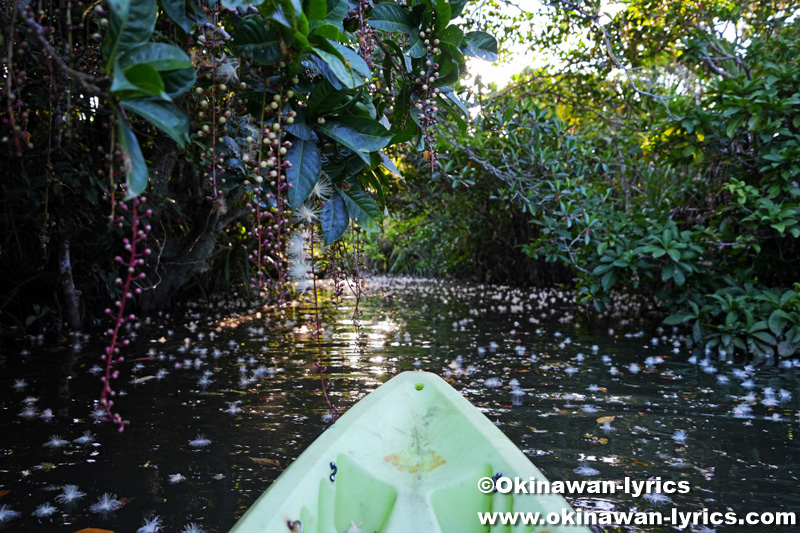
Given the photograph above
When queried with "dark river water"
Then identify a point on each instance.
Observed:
(623, 397)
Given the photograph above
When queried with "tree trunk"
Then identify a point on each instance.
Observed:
(71, 294)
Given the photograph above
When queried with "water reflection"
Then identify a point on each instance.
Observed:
(567, 391)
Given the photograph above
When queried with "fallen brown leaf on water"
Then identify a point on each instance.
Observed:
(3, 492)
(94, 530)
(640, 463)
(265, 462)
(604, 419)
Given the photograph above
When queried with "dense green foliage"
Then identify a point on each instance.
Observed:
(241, 120)
(661, 158)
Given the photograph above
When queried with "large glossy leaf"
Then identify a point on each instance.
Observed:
(416, 48)
(337, 11)
(137, 80)
(361, 207)
(389, 165)
(299, 128)
(456, 7)
(451, 35)
(324, 97)
(359, 134)
(325, 30)
(315, 62)
(160, 56)
(337, 65)
(389, 16)
(131, 23)
(334, 218)
(253, 36)
(449, 72)
(317, 10)
(453, 113)
(133, 160)
(304, 172)
(178, 82)
(240, 4)
(443, 14)
(164, 115)
(176, 10)
(351, 58)
(481, 45)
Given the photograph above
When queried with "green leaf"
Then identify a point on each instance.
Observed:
(160, 56)
(325, 30)
(443, 14)
(389, 165)
(278, 15)
(481, 45)
(324, 98)
(667, 272)
(133, 160)
(389, 16)
(334, 218)
(130, 24)
(361, 207)
(677, 318)
(765, 337)
(601, 269)
(359, 134)
(317, 10)
(786, 349)
(674, 254)
(456, 7)
(137, 80)
(164, 115)
(777, 322)
(304, 172)
(416, 48)
(300, 128)
(451, 35)
(734, 125)
(352, 59)
(178, 82)
(453, 113)
(337, 11)
(176, 10)
(679, 276)
(609, 279)
(302, 40)
(240, 4)
(262, 43)
(338, 66)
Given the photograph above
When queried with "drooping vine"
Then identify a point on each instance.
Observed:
(284, 108)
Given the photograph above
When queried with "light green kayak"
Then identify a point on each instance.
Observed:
(408, 459)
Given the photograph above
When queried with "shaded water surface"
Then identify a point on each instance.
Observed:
(219, 403)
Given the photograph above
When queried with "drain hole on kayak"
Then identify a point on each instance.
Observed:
(419, 386)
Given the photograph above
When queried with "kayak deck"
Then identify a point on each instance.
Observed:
(407, 457)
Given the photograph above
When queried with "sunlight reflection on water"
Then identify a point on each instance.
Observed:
(572, 407)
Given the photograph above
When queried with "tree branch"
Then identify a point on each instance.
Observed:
(89, 82)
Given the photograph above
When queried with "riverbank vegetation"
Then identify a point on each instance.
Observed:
(157, 149)
(658, 155)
